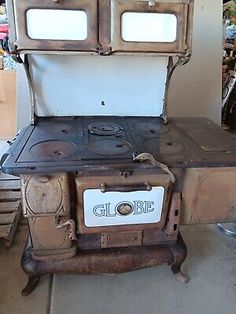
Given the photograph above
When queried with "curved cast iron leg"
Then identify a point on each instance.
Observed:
(31, 285)
(179, 251)
(29, 266)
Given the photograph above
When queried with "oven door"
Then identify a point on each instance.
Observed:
(115, 204)
(53, 25)
(151, 26)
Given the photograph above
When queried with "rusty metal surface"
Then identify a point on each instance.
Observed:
(55, 254)
(47, 205)
(183, 143)
(201, 155)
(24, 42)
(121, 239)
(150, 237)
(105, 261)
(59, 158)
(209, 195)
(52, 229)
(45, 234)
(172, 227)
(94, 182)
(180, 10)
(46, 195)
(104, 27)
(104, 9)
(62, 223)
(48, 241)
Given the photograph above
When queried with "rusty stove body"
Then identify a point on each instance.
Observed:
(106, 177)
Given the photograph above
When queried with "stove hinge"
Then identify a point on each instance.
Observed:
(126, 173)
(62, 222)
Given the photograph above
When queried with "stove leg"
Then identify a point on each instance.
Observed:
(180, 253)
(31, 285)
(29, 266)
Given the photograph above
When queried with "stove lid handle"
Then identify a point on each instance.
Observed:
(126, 188)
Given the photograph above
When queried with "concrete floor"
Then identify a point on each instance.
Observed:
(211, 264)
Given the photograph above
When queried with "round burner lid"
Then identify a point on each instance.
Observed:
(53, 149)
(110, 147)
(166, 145)
(57, 128)
(104, 128)
(152, 129)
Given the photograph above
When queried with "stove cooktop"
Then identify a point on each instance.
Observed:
(66, 144)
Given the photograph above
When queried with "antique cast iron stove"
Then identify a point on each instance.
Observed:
(106, 177)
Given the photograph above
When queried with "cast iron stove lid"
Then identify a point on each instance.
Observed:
(110, 147)
(151, 128)
(54, 149)
(104, 128)
(64, 128)
(107, 139)
(163, 145)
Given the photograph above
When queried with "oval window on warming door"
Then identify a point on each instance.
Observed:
(148, 27)
(50, 24)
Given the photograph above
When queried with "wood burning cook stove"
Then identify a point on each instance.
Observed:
(106, 177)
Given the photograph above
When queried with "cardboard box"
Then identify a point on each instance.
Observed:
(7, 104)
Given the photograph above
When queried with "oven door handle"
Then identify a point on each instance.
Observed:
(126, 188)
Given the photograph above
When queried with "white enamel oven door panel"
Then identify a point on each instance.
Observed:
(70, 25)
(102, 209)
(151, 26)
(99, 211)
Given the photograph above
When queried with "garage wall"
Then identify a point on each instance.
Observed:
(196, 87)
(7, 104)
